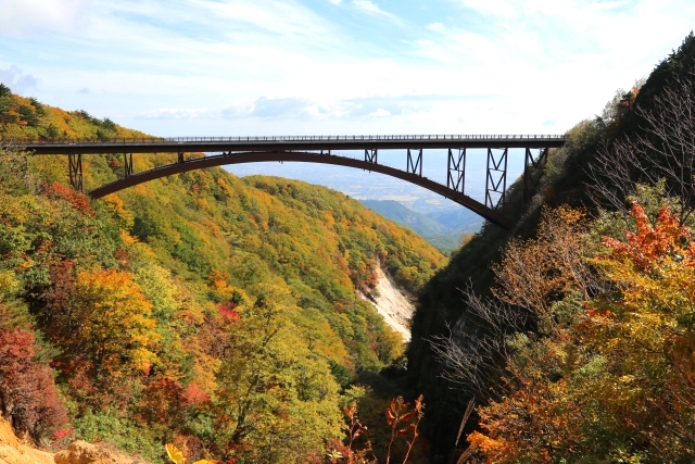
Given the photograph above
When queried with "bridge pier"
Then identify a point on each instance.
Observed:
(496, 177)
(456, 171)
(415, 167)
(128, 164)
(370, 156)
(75, 171)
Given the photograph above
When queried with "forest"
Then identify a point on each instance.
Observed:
(572, 338)
(214, 313)
(219, 315)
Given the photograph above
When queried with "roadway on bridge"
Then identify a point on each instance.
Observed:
(285, 143)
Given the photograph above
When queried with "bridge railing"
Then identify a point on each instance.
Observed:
(288, 138)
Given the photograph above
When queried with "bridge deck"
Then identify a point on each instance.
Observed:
(284, 143)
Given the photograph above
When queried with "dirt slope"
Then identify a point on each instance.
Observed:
(17, 451)
(393, 303)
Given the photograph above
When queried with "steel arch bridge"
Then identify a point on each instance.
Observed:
(316, 149)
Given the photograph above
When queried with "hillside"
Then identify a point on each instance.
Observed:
(573, 333)
(462, 221)
(443, 230)
(217, 313)
(435, 233)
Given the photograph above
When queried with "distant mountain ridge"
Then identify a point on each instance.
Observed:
(442, 229)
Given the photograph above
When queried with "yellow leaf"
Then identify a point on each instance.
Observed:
(175, 455)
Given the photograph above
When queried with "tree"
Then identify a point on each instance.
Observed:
(28, 115)
(533, 276)
(614, 381)
(477, 364)
(644, 326)
(276, 401)
(663, 148)
(108, 321)
(27, 394)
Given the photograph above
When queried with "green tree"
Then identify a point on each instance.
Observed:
(27, 114)
(276, 401)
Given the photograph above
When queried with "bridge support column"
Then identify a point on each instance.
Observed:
(75, 171)
(180, 158)
(456, 174)
(415, 167)
(496, 178)
(370, 156)
(529, 182)
(128, 164)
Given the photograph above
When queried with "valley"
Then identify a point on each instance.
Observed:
(240, 317)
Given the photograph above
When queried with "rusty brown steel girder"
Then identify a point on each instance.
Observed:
(305, 157)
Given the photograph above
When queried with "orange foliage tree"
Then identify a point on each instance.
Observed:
(113, 325)
(615, 379)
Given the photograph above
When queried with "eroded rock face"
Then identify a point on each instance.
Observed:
(393, 303)
(81, 452)
(14, 450)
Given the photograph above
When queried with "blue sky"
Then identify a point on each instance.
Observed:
(254, 67)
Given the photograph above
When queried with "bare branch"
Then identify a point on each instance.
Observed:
(475, 351)
(664, 147)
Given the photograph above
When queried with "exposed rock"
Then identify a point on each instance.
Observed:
(393, 303)
(81, 452)
(14, 450)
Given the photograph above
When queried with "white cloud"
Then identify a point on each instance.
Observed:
(492, 7)
(436, 27)
(380, 113)
(22, 17)
(372, 8)
(204, 67)
(179, 113)
(16, 80)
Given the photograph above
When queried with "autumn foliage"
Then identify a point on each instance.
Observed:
(613, 379)
(27, 394)
(216, 313)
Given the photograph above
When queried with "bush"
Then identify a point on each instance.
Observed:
(27, 394)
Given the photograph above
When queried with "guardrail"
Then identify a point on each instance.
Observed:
(287, 138)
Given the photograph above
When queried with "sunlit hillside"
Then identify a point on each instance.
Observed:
(217, 313)
(572, 337)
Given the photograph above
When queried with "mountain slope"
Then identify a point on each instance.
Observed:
(396, 212)
(215, 312)
(434, 232)
(442, 309)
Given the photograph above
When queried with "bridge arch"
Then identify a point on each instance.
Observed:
(315, 149)
(303, 157)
